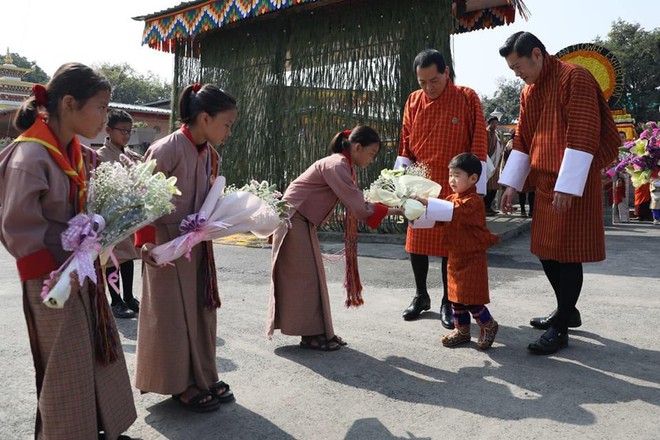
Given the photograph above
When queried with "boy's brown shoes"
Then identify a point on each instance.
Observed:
(458, 336)
(487, 335)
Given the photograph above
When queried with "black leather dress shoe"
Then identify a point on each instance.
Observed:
(417, 306)
(544, 323)
(133, 304)
(121, 311)
(549, 342)
(446, 318)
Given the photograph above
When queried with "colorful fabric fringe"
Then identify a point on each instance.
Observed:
(163, 29)
(352, 277)
(211, 293)
(106, 339)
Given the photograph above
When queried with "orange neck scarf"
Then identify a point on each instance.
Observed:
(71, 164)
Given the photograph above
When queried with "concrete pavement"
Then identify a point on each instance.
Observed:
(395, 380)
(389, 246)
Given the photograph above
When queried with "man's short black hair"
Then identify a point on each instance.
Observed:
(522, 43)
(492, 118)
(429, 57)
(467, 162)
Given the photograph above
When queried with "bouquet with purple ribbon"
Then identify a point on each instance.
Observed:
(640, 158)
(256, 208)
(122, 198)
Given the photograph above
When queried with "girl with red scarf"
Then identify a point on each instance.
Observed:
(82, 382)
(299, 300)
(177, 326)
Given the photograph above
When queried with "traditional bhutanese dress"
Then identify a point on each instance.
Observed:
(566, 134)
(299, 300)
(78, 394)
(466, 238)
(177, 323)
(433, 132)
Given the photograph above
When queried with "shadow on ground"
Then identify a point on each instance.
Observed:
(511, 384)
(372, 428)
(231, 421)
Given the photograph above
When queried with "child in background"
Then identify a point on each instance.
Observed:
(467, 238)
(620, 208)
(82, 382)
(654, 187)
(299, 300)
(119, 129)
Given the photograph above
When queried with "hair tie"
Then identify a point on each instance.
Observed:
(196, 87)
(347, 133)
(40, 94)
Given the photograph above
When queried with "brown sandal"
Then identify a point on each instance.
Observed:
(458, 336)
(197, 402)
(221, 391)
(487, 335)
(319, 342)
(339, 340)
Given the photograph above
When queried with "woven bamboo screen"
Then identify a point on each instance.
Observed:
(300, 77)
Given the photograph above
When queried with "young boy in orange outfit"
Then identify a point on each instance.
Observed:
(467, 237)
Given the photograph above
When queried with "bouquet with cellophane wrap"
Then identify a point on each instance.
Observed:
(640, 158)
(397, 189)
(122, 198)
(256, 207)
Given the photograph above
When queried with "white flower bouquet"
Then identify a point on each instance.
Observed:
(256, 207)
(122, 198)
(397, 189)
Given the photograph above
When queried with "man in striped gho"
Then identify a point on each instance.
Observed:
(565, 135)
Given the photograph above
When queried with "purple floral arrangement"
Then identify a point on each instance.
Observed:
(640, 158)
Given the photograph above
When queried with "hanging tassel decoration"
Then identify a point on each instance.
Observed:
(211, 294)
(523, 11)
(352, 279)
(105, 335)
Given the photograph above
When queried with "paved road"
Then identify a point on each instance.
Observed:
(395, 381)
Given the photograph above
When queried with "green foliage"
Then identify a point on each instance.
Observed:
(37, 76)
(506, 99)
(638, 52)
(131, 87)
(299, 78)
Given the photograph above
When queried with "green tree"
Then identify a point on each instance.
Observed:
(36, 76)
(506, 99)
(638, 52)
(131, 87)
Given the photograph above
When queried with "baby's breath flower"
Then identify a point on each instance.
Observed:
(127, 195)
(269, 194)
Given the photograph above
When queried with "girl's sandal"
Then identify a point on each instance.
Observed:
(339, 340)
(197, 403)
(221, 391)
(319, 342)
